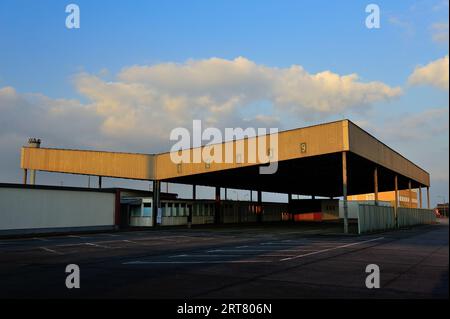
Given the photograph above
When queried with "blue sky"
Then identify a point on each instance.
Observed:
(40, 56)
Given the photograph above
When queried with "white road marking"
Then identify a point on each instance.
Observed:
(260, 250)
(95, 245)
(196, 262)
(130, 241)
(330, 249)
(83, 244)
(286, 244)
(169, 238)
(70, 245)
(301, 232)
(41, 239)
(50, 250)
(75, 236)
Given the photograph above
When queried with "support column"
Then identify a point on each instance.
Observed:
(420, 197)
(32, 176)
(396, 198)
(428, 197)
(375, 184)
(260, 208)
(33, 143)
(217, 207)
(313, 196)
(344, 190)
(25, 173)
(291, 215)
(100, 182)
(156, 202)
(251, 196)
(409, 194)
(117, 212)
(194, 192)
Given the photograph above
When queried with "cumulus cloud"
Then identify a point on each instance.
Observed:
(138, 109)
(434, 73)
(25, 115)
(422, 136)
(241, 81)
(412, 127)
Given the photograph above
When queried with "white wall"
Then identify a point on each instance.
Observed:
(375, 218)
(141, 221)
(353, 207)
(23, 208)
(415, 216)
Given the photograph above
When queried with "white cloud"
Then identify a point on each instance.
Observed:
(227, 85)
(412, 127)
(138, 109)
(35, 115)
(440, 32)
(441, 6)
(421, 136)
(434, 73)
(404, 24)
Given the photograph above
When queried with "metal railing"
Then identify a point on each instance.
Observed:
(374, 218)
(379, 218)
(415, 216)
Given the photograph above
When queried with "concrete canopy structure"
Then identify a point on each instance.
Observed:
(315, 170)
(332, 159)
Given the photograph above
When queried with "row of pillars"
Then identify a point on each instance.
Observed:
(218, 199)
(375, 178)
(157, 190)
(157, 201)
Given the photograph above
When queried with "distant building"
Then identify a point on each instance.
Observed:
(442, 209)
(403, 198)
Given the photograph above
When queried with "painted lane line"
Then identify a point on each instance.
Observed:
(290, 245)
(41, 239)
(100, 246)
(130, 241)
(82, 244)
(258, 250)
(75, 236)
(71, 245)
(196, 262)
(330, 249)
(300, 232)
(50, 250)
